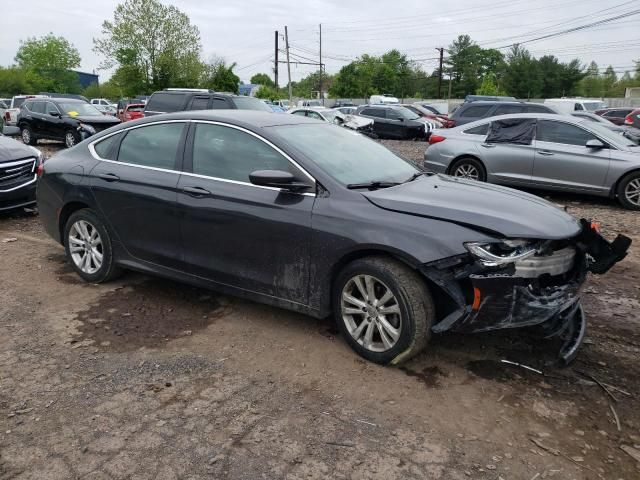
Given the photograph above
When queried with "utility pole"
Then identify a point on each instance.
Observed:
(321, 95)
(275, 69)
(441, 50)
(286, 42)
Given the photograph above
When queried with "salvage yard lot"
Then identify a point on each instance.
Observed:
(147, 378)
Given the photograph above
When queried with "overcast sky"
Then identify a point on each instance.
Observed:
(243, 32)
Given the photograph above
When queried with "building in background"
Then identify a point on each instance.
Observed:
(86, 79)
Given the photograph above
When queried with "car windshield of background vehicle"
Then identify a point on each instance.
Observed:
(405, 113)
(80, 109)
(593, 106)
(248, 103)
(347, 156)
(329, 115)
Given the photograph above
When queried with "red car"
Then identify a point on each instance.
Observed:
(614, 115)
(133, 111)
(633, 119)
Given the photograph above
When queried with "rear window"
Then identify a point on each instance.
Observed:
(136, 108)
(479, 130)
(17, 102)
(165, 102)
(475, 111)
(248, 103)
(105, 149)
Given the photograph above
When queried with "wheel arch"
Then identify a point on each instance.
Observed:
(462, 156)
(614, 188)
(66, 212)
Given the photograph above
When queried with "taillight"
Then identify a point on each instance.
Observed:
(436, 139)
(628, 120)
(7, 116)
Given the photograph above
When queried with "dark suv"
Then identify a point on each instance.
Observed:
(178, 100)
(394, 121)
(472, 111)
(64, 119)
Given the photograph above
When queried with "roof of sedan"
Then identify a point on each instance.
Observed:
(254, 118)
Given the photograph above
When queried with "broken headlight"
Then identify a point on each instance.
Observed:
(501, 253)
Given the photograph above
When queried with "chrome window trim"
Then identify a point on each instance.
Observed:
(35, 177)
(95, 155)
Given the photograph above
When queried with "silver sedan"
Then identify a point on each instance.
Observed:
(546, 151)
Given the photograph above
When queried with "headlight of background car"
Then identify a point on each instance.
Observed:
(501, 253)
(87, 128)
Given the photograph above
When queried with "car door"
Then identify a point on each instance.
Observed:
(395, 124)
(563, 161)
(235, 233)
(135, 188)
(53, 125)
(508, 161)
(380, 125)
(31, 114)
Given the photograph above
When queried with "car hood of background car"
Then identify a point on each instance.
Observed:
(13, 150)
(97, 119)
(502, 210)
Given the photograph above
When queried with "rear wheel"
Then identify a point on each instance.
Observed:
(27, 136)
(468, 167)
(629, 191)
(88, 246)
(383, 309)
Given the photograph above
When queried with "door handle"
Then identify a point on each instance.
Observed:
(196, 191)
(545, 152)
(488, 145)
(109, 177)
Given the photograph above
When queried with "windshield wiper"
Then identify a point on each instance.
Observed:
(414, 176)
(372, 185)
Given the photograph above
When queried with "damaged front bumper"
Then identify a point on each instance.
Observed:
(540, 290)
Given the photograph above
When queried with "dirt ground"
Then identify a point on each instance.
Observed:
(144, 378)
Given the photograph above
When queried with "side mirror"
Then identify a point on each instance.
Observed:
(54, 114)
(277, 179)
(595, 144)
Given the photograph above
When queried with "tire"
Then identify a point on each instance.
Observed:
(71, 138)
(629, 191)
(410, 297)
(474, 168)
(27, 136)
(78, 231)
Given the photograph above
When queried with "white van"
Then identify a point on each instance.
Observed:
(569, 105)
(383, 100)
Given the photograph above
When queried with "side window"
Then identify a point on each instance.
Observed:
(199, 103)
(38, 107)
(393, 115)
(578, 107)
(52, 109)
(536, 109)
(30, 106)
(165, 102)
(302, 113)
(620, 113)
(476, 111)
(479, 130)
(152, 146)
(559, 132)
(314, 115)
(231, 154)
(104, 148)
(374, 112)
(508, 109)
(220, 104)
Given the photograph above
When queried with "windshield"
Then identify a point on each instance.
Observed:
(79, 108)
(248, 103)
(285, 102)
(593, 106)
(608, 134)
(329, 115)
(345, 155)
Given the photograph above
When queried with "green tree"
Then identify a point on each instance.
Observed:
(591, 84)
(153, 43)
(609, 80)
(262, 79)
(50, 60)
(15, 80)
(467, 64)
(268, 93)
(522, 77)
(488, 85)
(220, 77)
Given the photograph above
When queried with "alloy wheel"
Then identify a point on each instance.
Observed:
(69, 139)
(632, 191)
(371, 313)
(467, 170)
(26, 136)
(85, 246)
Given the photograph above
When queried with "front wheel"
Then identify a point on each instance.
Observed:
(88, 246)
(470, 168)
(71, 138)
(629, 191)
(383, 309)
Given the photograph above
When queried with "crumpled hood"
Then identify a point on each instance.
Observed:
(511, 213)
(11, 149)
(94, 119)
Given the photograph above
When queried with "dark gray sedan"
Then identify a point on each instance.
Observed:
(316, 218)
(18, 165)
(541, 151)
